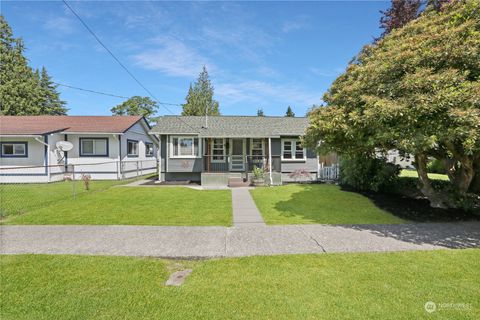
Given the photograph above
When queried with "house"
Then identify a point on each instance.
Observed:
(214, 150)
(104, 147)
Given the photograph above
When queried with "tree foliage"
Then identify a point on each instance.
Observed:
(289, 112)
(399, 14)
(260, 113)
(24, 91)
(137, 106)
(418, 91)
(199, 100)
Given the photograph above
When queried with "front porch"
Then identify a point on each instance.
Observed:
(225, 159)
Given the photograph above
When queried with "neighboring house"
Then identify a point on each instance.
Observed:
(405, 162)
(217, 149)
(105, 147)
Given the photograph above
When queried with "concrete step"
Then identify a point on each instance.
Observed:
(234, 182)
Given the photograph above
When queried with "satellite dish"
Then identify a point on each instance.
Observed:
(64, 145)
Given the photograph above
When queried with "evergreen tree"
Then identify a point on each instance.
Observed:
(400, 13)
(289, 112)
(23, 91)
(137, 106)
(199, 99)
(51, 102)
(19, 93)
(260, 113)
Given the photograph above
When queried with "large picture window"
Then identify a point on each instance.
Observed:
(218, 150)
(93, 147)
(149, 150)
(292, 150)
(132, 148)
(185, 147)
(14, 149)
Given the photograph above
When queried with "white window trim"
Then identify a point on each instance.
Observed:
(199, 152)
(224, 152)
(294, 141)
(263, 146)
(15, 155)
(133, 155)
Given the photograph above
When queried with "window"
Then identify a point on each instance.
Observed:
(132, 148)
(292, 150)
(149, 150)
(14, 149)
(256, 149)
(94, 147)
(185, 147)
(218, 150)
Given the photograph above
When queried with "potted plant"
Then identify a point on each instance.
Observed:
(258, 179)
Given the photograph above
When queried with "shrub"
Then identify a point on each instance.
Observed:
(368, 173)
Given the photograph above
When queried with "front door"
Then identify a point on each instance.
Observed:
(237, 159)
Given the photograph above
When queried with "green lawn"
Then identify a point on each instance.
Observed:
(414, 174)
(136, 206)
(325, 286)
(317, 203)
(22, 198)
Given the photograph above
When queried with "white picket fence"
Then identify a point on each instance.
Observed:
(328, 173)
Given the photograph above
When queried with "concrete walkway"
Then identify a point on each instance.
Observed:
(245, 212)
(210, 242)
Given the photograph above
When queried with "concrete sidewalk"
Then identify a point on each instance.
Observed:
(245, 212)
(210, 242)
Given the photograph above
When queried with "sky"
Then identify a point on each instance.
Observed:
(266, 55)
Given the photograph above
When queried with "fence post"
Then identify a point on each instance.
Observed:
(73, 183)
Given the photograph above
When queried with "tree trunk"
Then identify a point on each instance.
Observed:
(434, 197)
(475, 184)
(465, 175)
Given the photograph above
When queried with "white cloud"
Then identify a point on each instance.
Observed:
(298, 23)
(172, 57)
(259, 92)
(60, 25)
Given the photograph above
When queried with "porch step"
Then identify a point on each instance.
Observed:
(236, 182)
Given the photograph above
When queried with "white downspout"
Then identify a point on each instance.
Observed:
(270, 159)
(47, 160)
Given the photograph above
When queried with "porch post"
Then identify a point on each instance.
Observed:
(270, 159)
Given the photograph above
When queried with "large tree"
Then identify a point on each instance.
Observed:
(50, 98)
(23, 91)
(418, 91)
(260, 113)
(399, 14)
(136, 106)
(199, 100)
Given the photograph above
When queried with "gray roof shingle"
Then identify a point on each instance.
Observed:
(232, 126)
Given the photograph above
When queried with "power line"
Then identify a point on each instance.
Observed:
(121, 64)
(91, 91)
(109, 94)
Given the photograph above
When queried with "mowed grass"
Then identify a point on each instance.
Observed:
(22, 198)
(414, 174)
(136, 206)
(317, 203)
(326, 286)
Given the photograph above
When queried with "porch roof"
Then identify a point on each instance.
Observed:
(231, 126)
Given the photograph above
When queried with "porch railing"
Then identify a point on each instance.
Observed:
(239, 163)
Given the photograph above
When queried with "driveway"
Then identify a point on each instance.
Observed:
(210, 242)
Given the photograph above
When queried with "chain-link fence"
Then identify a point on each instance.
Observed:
(23, 189)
